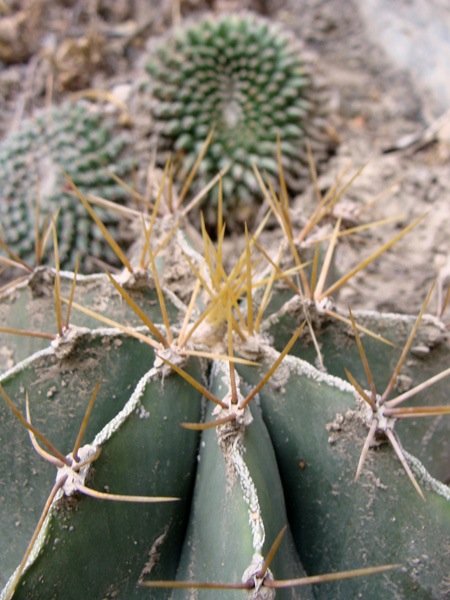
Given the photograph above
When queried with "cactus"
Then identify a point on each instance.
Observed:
(75, 138)
(250, 81)
(275, 449)
(210, 425)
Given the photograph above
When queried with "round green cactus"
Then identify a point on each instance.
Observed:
(74, 138)
(251, 81)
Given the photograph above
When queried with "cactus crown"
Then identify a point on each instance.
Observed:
(250, 81)
(73, 138)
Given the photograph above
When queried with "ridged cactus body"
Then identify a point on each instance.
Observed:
(318, 429)
(237, 472)
(77, 138)
(296, 443)
(250, 81)
(131, 402)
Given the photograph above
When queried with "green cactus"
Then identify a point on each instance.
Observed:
(249, 80)
(280, 447)
(76, 138)
(229, 442)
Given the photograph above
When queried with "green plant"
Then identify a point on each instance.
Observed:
(274, 442)
(75, 138)
(251, 82)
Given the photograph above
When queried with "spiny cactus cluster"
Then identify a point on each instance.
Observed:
(217, 455)
(74, 138)
(250, 81)
(200, 497)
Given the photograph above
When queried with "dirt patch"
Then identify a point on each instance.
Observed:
(378, 105)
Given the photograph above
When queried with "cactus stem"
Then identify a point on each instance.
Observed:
(71, 473)
(71, 470)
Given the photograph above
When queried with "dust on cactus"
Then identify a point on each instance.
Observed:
(250, 81)
(278, 444)
(76, 138)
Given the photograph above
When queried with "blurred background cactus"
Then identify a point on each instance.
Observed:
(250, 81)
(81, 140)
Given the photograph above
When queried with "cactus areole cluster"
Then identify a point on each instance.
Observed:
(251, 82)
